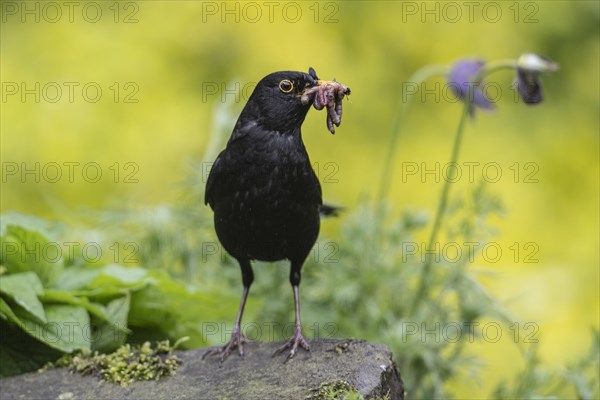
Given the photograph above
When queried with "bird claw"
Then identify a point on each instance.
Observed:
(237, 340)
(296, 340)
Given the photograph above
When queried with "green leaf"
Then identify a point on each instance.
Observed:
(118, 310)
(105, 284)
(112, 334)
(60, 296)
(20, 352)
(24, 289)
(130, 276)
(76, 278)
(13, 362)
(51, 230)
(68, 328)
(167, 306)
(22, 250)
(115, 277)
(113, 281)
(7, 314)
(151, 308)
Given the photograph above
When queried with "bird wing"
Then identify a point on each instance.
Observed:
(215, 170)
(250, 156)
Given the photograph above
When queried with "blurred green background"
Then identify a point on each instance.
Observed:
(157, 64)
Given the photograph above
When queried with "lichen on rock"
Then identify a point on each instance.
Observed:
(126, 365)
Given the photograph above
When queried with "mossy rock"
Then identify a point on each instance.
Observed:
(352, 369)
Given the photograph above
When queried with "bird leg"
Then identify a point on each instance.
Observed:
(297, 339)
(237, 338)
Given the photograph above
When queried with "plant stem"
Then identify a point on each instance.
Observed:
(494, 66)
(446, 189)
(441, 209)
(417, 79)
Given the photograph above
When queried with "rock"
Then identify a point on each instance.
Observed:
(368, 367)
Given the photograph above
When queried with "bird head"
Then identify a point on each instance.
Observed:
(275, 102)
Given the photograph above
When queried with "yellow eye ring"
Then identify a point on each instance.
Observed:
(286, 86)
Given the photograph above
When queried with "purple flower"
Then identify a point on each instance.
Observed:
(529, 67)
(462, 76)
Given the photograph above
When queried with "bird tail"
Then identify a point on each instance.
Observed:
(327, 210)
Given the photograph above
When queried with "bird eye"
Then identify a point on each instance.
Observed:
(286, 86)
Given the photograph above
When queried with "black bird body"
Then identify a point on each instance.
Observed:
(265, 195)
(263, 191)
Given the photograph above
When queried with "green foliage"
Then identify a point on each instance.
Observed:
(583, 374)
(63, 306)
(534, 381)
(372, 292)
(22, 249)
(364, 288)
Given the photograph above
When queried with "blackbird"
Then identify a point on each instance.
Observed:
(264, 193)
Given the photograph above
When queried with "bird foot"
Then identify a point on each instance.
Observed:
(296, 340)
(237, 340)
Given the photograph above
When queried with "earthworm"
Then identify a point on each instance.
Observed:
(327, 94)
